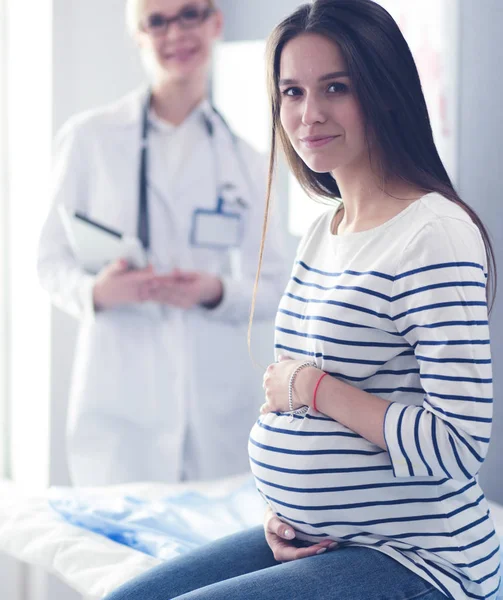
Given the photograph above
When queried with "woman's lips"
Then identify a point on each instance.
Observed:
(316, 141)
(181, 55)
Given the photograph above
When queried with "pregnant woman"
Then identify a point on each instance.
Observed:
(378, 410)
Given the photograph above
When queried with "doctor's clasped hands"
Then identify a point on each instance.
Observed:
(118, 285)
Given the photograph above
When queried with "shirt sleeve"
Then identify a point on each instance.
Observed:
(68, 284)
(439, 306)
(238, 290)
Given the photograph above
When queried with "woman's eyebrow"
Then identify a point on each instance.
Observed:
(333, 75)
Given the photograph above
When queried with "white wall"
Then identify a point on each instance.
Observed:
(479, 173)
(12, 579)
(95, 61)
(254, 19)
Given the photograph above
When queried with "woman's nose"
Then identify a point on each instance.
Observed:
(313, 111)
(173, 34)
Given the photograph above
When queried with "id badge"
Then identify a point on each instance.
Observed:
(216, 229)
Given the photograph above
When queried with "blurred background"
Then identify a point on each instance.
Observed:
(59, 57)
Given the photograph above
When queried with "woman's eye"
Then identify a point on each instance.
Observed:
(337, 88)
(190, 14)
(291, 92)
(156, 21)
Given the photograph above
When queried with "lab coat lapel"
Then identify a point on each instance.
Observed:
(231, 171)
(128, 118)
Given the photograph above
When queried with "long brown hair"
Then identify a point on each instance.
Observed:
(387, 85)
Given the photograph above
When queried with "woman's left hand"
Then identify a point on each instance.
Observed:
(276, 380)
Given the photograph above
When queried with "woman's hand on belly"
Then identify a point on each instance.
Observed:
(276, 381)
(281, 540)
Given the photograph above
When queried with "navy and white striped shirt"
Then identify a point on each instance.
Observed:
(399, 311)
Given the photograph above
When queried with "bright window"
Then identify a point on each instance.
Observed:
(27, 108)
(4, 289)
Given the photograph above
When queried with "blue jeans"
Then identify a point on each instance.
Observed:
(242, 567)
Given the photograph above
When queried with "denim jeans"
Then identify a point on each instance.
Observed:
(242, 567)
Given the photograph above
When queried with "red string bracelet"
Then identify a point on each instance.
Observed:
(316, 390)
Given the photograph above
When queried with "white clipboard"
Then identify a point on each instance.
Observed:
(95, 244)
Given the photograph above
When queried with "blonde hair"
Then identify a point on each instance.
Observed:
(134, 11)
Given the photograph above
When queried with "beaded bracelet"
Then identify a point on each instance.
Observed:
(292, 381)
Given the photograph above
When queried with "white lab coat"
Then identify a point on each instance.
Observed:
(157, 394)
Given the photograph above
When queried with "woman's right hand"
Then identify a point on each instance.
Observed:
(279, 536)
(117, 284)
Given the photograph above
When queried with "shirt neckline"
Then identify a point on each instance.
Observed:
(353, 235)
(167, 127)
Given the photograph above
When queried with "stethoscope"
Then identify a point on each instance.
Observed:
(223, 189)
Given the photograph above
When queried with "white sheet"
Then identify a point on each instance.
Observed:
(91, 564)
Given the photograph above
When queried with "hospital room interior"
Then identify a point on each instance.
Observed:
(124, 442)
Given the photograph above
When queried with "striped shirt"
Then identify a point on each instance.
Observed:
(398, 311)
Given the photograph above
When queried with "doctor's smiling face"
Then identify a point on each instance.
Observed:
(177, 36)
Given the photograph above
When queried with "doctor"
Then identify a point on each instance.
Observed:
(163, 387)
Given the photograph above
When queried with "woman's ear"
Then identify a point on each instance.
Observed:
(138, 38)
(219, 23)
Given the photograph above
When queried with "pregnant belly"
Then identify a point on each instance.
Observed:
(325, 480)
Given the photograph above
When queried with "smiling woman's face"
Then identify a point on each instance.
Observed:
(178, 53)
(319, 110)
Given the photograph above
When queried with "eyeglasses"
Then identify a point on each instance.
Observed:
(189, 17)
